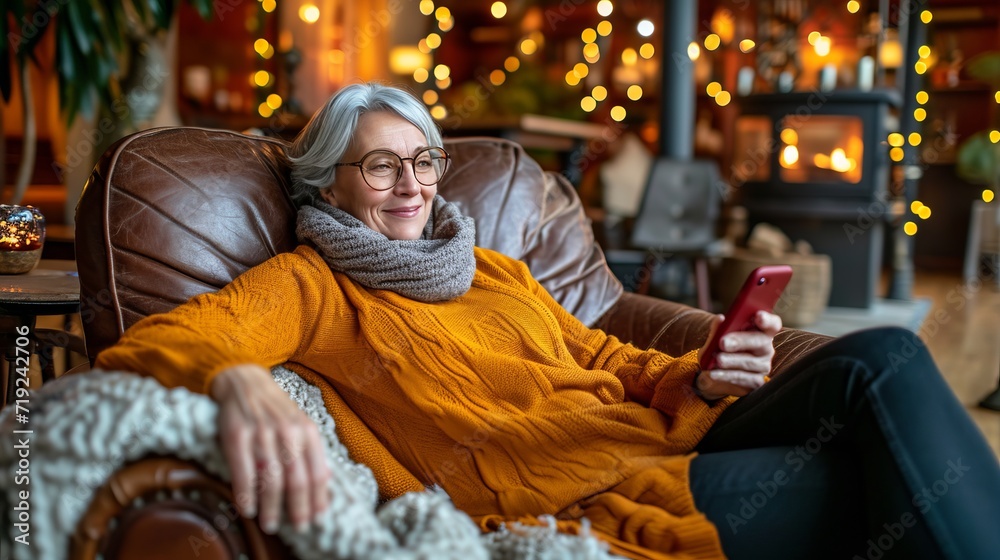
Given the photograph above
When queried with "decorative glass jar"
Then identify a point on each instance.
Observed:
(22, 234)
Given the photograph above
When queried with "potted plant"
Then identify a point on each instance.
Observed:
(96, 52)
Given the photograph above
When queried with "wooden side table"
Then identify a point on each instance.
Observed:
(52, 288)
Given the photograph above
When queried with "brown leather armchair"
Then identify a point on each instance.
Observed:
(171, 213)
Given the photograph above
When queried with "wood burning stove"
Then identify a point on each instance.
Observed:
(815, 164)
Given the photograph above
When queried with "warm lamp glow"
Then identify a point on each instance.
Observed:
(498, 9)
(645, 28)
(634, 92)
(789, 136)
(789, 156)
(605, 7)
(822, 46)
(694, 51)
(309, 13)
(813, 36)
(723, 25)
(618, 113)
(629, 56)
(405, 59)
(891, 54)
(600, 93)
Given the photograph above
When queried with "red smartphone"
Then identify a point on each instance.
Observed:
(760, 292)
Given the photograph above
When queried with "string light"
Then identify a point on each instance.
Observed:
(433, 41)
(599, 93)
(713, 89)
(618, 113)
(430, 97)
(427, 7)
(747, 45)
(497, 77)
(420, 75)
(645, 28)
(441, 71)
(914, 138)
(528, 47)
(605, 7)
(910, 228)
(896, 154)
(604, 28)
(512, 63)
(694, 51)
(712, 42)
(629, 56)
(581, 70)
(588, 35)
(896, 139)
(588, 104)
(915, 206)
(647, 51)
(723, 98)
(853, 6)
(634, 92)
(498, 9)
(926, 16)
(924, 213)
(572, 78)
(995, 136)
(309, 13)
(920, 114)
(274, 101)
(439, 112)
(987, 195)
(922, 97)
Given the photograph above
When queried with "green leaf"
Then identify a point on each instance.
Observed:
(985, 67)
(79, 28)
(978, 159)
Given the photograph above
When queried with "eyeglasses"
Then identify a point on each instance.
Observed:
(382, 169)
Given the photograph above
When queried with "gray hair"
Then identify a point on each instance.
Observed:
(330, 132)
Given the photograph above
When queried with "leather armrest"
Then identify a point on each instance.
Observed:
(162, 507)
(676, 329)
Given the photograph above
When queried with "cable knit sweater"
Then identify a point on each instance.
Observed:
(499, 396)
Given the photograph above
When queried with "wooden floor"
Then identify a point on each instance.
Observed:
(962, 332)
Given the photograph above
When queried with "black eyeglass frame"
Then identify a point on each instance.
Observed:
(399, 174)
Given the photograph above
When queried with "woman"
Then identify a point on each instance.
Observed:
(450, 365)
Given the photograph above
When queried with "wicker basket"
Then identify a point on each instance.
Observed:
(806, 296)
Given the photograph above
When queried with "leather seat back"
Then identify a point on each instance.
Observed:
(171, 213)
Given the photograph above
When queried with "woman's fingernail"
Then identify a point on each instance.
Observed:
(270, 527)
(301, 527)
(719, 375)
(249, 512)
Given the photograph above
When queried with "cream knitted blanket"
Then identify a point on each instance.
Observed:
(87, 426)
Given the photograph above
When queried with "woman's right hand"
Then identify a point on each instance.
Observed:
(273, 449)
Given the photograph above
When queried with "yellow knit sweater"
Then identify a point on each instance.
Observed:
(500, 396)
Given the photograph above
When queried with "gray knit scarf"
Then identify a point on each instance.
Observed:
(437, 267)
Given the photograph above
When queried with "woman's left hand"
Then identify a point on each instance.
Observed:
(743, 361)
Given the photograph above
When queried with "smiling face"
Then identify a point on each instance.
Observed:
(400, 212)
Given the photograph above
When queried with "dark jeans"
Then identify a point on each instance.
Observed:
(860, 450)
